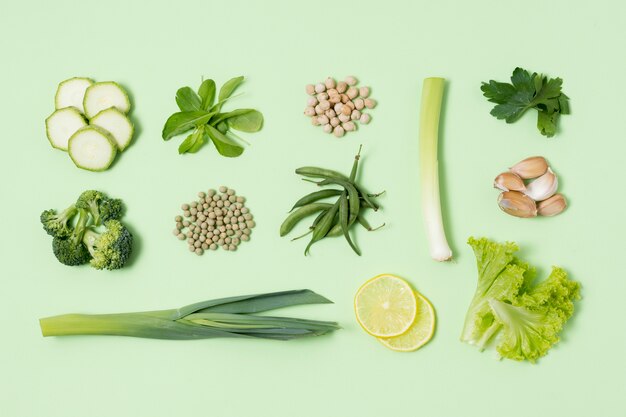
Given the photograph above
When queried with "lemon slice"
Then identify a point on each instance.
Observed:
(385, 306)
(420, 332)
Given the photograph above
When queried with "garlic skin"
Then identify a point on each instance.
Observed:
(530, 168)
(517, 204)
(508, 181)
(543, 187)
(552, 206)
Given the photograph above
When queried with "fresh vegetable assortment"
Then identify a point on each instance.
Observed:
(338, 106)
(217, 219)
(509, 309)
(528, 91)
(520, 317)
(90, 122)
(333, 219)
(203, 116)
(89, 231)
(522, 197)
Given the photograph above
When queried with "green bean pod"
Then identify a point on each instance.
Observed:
(344, 217)
(321, 173)
(302, 212)
(324, 226)
(363, 222)
(315, 196)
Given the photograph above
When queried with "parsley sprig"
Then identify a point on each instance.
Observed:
(528, 91)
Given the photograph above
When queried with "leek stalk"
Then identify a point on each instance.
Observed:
(226, 317)
(432, 95)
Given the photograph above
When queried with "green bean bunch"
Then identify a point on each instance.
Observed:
(333, 219)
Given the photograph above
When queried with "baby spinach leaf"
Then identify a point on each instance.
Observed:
(183, 121)
(194, 142)
(249, 120)
(224, 145)
(207, 93)
(222, 127)
(187, 99)
(229, 87)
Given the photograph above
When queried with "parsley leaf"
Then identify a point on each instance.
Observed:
(528, 91)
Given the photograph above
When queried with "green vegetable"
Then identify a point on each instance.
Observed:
(335, 219)
(101, 207)
(302, 212)
(523, 319)
(71, 92)
(105, 248)
(117, 124)
(62, 124)
(110, 249)
(432, 96)
(226, 317)
(207, 122)
(92, 148)
(69, 250)
(58, 224)
(103, 95)
(528, 91)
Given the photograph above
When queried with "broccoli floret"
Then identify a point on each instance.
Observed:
(70, 253)
(69, 249)
(110, 249)
(101, 207)
(57, 224)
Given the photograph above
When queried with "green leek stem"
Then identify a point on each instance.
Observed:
(432, 95)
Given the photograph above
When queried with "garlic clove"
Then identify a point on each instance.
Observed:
(517, 204)
(543, 187)
(508, 181)
(530, 168)
(552, 206)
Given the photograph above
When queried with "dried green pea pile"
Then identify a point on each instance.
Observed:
(216, 219)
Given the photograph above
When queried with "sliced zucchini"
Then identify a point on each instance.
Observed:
(71, 93)
(62, 124)
(117, 124)
(101, 96)
(92, 148)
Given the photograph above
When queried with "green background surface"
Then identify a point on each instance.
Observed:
(153, 48)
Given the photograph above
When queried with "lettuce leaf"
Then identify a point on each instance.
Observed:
(523, 320)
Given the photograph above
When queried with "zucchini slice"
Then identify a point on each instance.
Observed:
(62, 124)
(71, 93)
(117, 124)
(101, 96)
(92, 148)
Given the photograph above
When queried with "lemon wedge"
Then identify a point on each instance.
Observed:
(385, 306)
(420, 332)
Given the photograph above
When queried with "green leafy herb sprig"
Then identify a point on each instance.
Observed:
(203, 116)
(528, 91)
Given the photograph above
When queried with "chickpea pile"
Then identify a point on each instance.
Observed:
(337, 106)
(216, 219)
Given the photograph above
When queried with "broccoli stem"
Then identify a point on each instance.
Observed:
(89, 239)
(81, 226)
(67, 214)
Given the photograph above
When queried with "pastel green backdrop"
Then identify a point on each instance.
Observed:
(153, 48)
